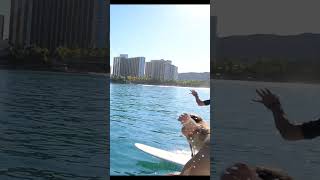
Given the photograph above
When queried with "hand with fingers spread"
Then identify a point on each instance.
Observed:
(189, 126)
(194, 93)
(288, 131)
(271, 101)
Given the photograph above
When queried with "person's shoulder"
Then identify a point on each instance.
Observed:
(311, 129)
(206, 102)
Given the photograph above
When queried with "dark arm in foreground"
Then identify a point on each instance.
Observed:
(288, 131)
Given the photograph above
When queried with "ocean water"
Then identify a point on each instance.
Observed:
(244, 131)
(148, 115)
(53, 126)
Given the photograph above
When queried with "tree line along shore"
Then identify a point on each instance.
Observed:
(61, 59)
(265, 69)
(148, 81)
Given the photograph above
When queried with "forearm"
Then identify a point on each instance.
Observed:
(198, 100)
(287, 130)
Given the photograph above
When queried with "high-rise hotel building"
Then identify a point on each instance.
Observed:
(162, 70)
(124, 66)
(55, 23)
(213, 43)
(1, 26)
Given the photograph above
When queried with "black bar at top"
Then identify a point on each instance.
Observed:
(159, 1)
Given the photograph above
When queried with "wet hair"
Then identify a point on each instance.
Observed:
(196, 118)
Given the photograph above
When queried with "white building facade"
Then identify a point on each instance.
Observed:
(124, 66)
(162, 70)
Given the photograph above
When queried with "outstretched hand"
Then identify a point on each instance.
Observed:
(267, 98)
(183, 118)
(188, 129)
(194, 93)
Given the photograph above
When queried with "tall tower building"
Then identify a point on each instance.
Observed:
(148, 69)
(173, 72)
(1, 26)
(53, 23)
(213, 37)
(161, 70)
(124, 66)
(213, 44)
(136, 66)
(20, 22)
(117, 62)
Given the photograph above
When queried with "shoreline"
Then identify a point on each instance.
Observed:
(81, 65)
(315, 82)
(168, 85)
(55, 71)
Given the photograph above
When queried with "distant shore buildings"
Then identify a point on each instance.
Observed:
(213, 46)
(162, 70)
(125, 66)
(1, 26)
(54, 23)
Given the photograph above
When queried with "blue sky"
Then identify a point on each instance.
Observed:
(180, 33)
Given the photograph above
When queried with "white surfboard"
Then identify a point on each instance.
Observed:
(180, 159)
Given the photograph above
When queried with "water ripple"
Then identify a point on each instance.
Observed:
(53, 126)
(148, 115)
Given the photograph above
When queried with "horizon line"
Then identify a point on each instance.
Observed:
(274, 34)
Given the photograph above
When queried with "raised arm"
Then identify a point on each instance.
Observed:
(287, 130)
(198, 100)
